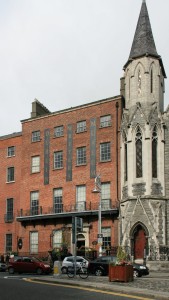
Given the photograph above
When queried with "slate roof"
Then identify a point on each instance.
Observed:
(143, 42)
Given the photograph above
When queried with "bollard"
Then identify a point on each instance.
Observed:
(57, 269)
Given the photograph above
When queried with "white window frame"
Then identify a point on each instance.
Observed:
(10, 174)
(105, 151)
(35, 164)
(58, 200)
(81, 126)
(58, 160)
(105, 121)
(34, 198)
(81, 197)
(57, 238)
(81, 156)
(11, 151)
(36, 136)
(58, 131)
(105, 194)
(106, 231)
(34, 242)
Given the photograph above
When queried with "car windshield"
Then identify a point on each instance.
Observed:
(36, 259)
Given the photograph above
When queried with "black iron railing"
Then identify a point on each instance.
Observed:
(60, 208)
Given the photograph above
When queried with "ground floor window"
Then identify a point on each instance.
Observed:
(8, 242)
(34, 242)
(57, 239)
(106, 238)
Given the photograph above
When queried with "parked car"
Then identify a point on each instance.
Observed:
(3, 267)
(140, 270)
(69, 260)
(100, 266)
(25, 264)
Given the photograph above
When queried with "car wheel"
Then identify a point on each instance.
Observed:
(39, 271)
(136, 273)
(64, 270)
(98, 272)
(11, 270)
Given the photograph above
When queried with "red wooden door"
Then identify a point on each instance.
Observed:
(139, 243)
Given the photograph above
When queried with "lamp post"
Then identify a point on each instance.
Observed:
(97, 190)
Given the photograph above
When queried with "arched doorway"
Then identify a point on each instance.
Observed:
(139, 238)
(80, 240)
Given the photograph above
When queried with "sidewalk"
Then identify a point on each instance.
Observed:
(153, 286)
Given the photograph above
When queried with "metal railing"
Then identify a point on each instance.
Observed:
(151, 253)
(61, 208)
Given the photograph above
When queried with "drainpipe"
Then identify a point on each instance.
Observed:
(117, 162)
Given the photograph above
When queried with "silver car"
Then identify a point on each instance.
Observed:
(69, 261)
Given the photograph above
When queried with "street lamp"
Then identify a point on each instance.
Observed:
(97, 190)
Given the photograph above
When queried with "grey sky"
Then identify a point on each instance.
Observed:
(69, 52)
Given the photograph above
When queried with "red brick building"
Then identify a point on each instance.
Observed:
(10, 183)
(55, 161)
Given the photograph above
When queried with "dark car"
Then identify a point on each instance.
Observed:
(100, 266)
(140, 270)
(27, 264)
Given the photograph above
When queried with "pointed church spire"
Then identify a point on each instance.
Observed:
(143, 43)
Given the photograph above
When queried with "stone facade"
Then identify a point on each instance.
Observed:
(144, 148)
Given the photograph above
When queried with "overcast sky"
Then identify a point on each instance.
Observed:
(69, 52)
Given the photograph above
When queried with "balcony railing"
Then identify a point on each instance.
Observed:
(79, 207)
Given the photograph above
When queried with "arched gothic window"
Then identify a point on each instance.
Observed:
(129, 86)
(138, 142)
(125, 158)
(151, 81)
(154, 152)
(139, 82)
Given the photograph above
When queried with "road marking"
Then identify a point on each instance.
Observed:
(15, 277)
(88, 289)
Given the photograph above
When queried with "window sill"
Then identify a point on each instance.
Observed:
(56, 169)
(81, 165)
(101, 127)
(104, 161)
(57, 137)
(36, 141)
(10, 181)
(81, 131)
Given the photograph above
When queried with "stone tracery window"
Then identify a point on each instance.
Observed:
(139, 82)
(138, 143)
(125, 158)
(151, 81)
(154, 152)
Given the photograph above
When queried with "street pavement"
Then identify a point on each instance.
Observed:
(153, 286)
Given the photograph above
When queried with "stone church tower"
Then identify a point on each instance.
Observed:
(144, 203)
